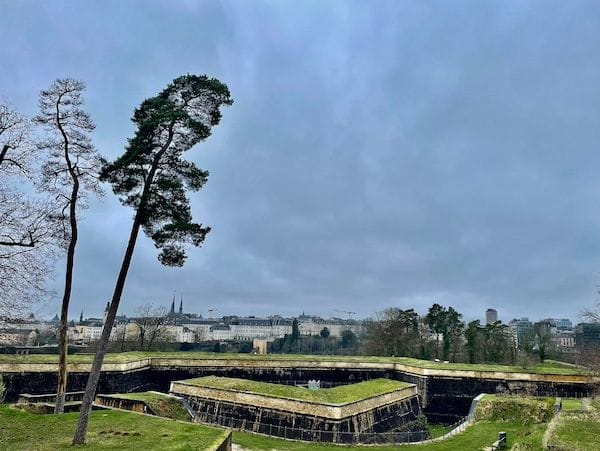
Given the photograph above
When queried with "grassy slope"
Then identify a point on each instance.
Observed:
(518, 408)
(547, 368)
(336, 395)
(162, 404)
(476, 437)
(577, 430)
(571, 404)
(108, 430)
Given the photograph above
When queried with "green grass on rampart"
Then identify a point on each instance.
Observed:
(341, 394)
(576, 430)
(477, 437)
(511, 408)
(111, 430)
(161, 404)
(117, 430)
(546, 368)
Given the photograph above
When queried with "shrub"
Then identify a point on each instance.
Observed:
(511, 408)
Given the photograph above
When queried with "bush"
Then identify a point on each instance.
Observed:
(511, 408)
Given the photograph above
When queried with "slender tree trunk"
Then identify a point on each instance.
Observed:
(94, 377)
(59, 406)
(3, 152)
(61, 390)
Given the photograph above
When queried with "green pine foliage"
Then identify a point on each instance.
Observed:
(152, 177)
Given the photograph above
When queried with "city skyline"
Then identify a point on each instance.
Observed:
(350, 173)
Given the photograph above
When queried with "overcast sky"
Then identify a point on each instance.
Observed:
(377, 154)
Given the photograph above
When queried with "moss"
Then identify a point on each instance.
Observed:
(337, 395)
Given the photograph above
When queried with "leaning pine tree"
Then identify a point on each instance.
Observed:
(152, 178)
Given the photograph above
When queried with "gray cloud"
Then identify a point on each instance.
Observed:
(377, 154)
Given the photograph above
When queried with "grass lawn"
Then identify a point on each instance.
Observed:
(160, 403)
(571, 404)
(476, 437)
(341, 394)
(546, 368)
(577, 431)
(107, 430)
(438, 430)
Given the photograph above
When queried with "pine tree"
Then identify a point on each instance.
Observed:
(152, 178)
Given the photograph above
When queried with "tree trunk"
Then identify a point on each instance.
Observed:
(59, 406)
(61, 390)
(94, 377)
(3, 152)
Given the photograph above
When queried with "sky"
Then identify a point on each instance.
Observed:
(378, 153)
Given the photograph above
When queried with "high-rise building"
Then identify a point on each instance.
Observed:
(522, 330)
(491, 316)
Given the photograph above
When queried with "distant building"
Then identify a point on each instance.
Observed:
(521, 328)
(561, 324)
(587, 335)
(491, 316)
(564, 341)
(313, 325)
(221, 332)
(260, 345)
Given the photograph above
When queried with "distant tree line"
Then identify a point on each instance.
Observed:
(442, 334)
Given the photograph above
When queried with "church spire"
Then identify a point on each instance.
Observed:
(173, 304)
(181, 305)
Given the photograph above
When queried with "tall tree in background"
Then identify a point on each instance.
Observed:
(436, 319)
(70, 174)
(543, 340)
(498, 345)
(473, 340)
(395, 333)
(27, 233)
(453, 330)
(151, 177)
(295, 330)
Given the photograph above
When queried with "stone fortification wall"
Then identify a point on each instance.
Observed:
(441, 391)
(121, 403)
(286, 418)
(329, 411)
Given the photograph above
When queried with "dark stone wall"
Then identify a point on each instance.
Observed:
(447, 400)
(442, 399)
(394, 417)
(40, 383)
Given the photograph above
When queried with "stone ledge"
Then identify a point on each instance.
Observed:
(159, 362)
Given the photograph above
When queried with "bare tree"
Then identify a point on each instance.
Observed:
(70, 174)
(16, 150)
(589, 353)
(150, 322)
(591, 314)
(27, 232)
